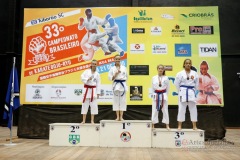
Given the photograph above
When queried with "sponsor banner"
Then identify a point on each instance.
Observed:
(60, 43)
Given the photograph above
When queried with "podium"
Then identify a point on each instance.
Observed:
(185, 138)
(127, 133)
(73, 134)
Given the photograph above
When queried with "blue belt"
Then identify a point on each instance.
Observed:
(188, 87)
(121, 82)
(159, 92)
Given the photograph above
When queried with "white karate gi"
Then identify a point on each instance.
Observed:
(183, 99)
(119, 91)
(96, 81)
(164, 86)
(87, 43)
(205, 96)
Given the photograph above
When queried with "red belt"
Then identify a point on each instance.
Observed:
(87, 86)
(158, 98)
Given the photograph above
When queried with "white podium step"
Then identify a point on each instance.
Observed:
(73, 134)
(185, 138)
(127, 133)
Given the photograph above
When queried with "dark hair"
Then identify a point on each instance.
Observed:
(88, 10)
(163, 68)
(186, 60)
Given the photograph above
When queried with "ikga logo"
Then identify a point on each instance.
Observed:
(183, 50)
(78, 92)
(37, 94)
(208, 15)
(208, 50)
(125, 136)
(198, 30)
(142, 17)
(138, 30)
(156, 31)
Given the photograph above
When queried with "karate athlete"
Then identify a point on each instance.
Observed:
(118, 74)
(186, 83)
(160, 90)
(113, 32)
(91, 24)
(208, 85)
(91, 79)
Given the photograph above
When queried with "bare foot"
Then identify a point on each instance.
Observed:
(82, 122)
(117, 119)
(92, 123)
(168, 128)
(179, 129)
(121, 119)
(195, 128)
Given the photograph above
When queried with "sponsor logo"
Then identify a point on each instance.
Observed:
(74, 139)
(58, 92)
(37, 94)
(125, 136)
(78, 92)
(178, 143)
(37, 47)
(196, 30)
(109, 93)
(167, 16)
(208, 50)
(137, 48)
(33, 22)
(136, 93)
(156, 31)
(168, 67)
(138, 30)
(142, 18)
(183, 50)
(46, 19)
(177, 32)
(159, 48)
(198, 15)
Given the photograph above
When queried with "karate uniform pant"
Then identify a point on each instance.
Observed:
(182, 111)
(93, 105)
(155, 113)
(119, 102)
